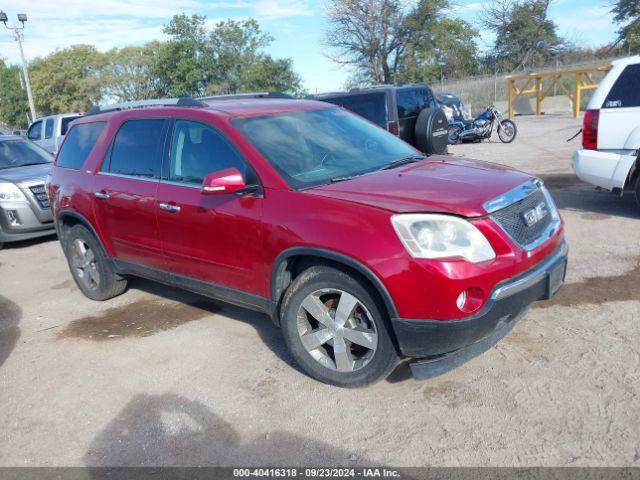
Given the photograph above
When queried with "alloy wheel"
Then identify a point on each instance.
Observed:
(83, 262)
(337, 330)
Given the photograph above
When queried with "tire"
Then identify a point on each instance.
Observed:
(323, 290)
(637, 191)
(90, 266)
(431, 131)
(453, 134)
(503, 135)
(1, 245)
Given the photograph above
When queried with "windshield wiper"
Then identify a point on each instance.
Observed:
(403, 161)
(342, 179)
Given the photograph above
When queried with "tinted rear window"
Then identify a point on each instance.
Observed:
(411, 101)
(626, 91)
(79, 144)
(64, 124)
(137, 148)
(372, 106)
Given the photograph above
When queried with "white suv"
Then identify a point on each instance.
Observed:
(611, 131)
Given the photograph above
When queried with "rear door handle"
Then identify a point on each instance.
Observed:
(101, 195)
(169, 208)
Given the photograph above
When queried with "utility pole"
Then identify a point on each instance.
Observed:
(17, 35)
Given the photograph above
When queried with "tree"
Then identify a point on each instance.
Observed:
(438, 45)
(390, 41)
(525, 36)
(627, 13)
(13, 99)
(227, 59)
(67, 80)
(369, 35)
(130, 73)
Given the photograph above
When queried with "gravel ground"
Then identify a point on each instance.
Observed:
(161, 377)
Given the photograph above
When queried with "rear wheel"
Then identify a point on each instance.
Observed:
(637, 190)
(335, 330)
(507, 131)
(90, 266)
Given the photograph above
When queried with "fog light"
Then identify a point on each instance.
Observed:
(470, 300)
(462, 299)
(12, 216)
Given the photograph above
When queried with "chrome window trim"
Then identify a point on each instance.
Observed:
(132, 177)
(520, 193)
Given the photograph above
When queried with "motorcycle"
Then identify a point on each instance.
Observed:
(482, 127)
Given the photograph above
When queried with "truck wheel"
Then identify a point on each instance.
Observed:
(637, 190)
(431, 131)
(92, 270)
(335, 330)
(1, 245)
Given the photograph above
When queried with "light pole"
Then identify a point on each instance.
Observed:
(17, 34)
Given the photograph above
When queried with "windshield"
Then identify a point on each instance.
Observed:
(18, 153)
(312, 147)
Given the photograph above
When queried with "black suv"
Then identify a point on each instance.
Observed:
(409, 111)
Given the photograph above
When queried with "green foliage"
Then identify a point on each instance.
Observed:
(13, 99)
(130, 73)
(67, 80)
(627, 13)
(525, 36)
(195, 61)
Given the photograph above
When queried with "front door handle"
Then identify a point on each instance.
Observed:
(101, 195)
(169, 208)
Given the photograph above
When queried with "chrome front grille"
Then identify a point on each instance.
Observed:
(513, 219)
(40, 193)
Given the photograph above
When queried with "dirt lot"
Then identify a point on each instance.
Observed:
(160, 377)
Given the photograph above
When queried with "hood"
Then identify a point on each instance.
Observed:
(25, 174)
(437, 184)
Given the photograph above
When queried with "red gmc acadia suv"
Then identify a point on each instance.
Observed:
(359, 247)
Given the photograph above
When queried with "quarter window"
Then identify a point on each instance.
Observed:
(78, 144)
(626, 91)
(137, 148)
(198, 150)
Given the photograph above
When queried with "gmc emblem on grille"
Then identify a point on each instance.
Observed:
(533, 216)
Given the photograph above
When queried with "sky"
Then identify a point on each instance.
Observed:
(298, 27)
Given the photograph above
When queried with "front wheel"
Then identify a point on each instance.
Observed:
(507, 131)
(335, 330)
(454, 134)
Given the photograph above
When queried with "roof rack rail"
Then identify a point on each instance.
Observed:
(250, 95)
(160, 102)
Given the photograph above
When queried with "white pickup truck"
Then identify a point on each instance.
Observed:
(609, 157)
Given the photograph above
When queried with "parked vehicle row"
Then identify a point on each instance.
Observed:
(314, 216)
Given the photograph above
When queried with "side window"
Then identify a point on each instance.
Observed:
(198, 150)
(35, 131)
(78, 144)
(407, 103)
(626, 91)
(48, 128)
(137, 149)
(371, 106)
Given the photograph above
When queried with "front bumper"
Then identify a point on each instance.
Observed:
(31, 222)
(428, 338)
(608, 170)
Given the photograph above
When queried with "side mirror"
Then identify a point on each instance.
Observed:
(228, 180)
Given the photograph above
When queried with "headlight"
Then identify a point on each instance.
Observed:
(8, 191)
(442, 236)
